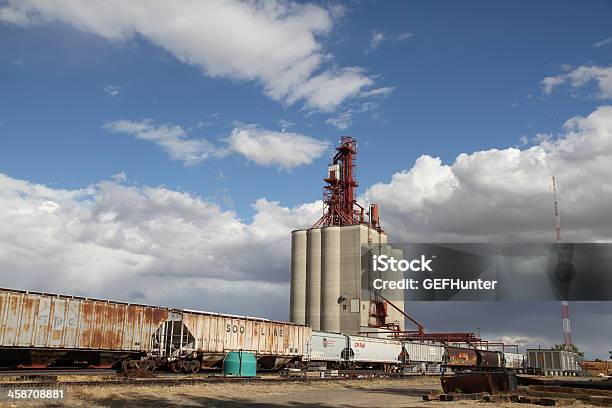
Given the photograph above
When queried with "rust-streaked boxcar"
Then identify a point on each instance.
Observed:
(457, 357)
(212, 335)
(46, 330)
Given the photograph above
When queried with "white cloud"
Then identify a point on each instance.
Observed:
(264, 147)
(378, 37)
(403, 36)
(173, 139)
(111, 238)
(283, 149)
(345, 118)
(603, 42)
(503, 194)
(112, 90)
(329, 89)
(581, 76)
(275, 43)
(379, 92)
(342, 121)
(285, 124)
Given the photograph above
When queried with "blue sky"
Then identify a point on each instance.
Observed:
(144, 144)
(467, 79)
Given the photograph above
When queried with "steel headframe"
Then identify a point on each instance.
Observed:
(340, 206)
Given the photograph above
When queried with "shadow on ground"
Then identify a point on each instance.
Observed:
(191, 401)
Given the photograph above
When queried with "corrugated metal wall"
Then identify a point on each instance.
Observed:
(218, 333)
(422, 352)
(55, 321)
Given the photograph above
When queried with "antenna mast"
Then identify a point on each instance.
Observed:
(567, 331)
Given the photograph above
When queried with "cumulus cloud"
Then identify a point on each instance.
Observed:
(277, 44)
(503, 194)
(111, 239)
(173, 139)
(284, 149)
(378, 37)
(264, 147)
(580, 77)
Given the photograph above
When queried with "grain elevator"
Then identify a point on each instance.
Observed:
(329, 283)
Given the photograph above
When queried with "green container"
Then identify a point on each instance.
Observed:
(240, 364)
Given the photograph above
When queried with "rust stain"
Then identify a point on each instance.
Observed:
(85, 324)
(109, 326)
(97, 335)
(27, 321)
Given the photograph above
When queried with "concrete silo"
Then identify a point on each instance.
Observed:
(313, 278)
(330, 279)
(297, 311)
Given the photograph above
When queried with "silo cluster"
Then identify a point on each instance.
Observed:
(327, 289)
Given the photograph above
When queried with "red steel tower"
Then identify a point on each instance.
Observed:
(340, 206)
(567, 331)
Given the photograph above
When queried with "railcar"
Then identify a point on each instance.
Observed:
(373, 352)
(46, 330)
(207, 337)
(515, 361)
(337, 350)
(329, 348)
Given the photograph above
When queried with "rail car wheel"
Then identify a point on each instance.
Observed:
(191, 367)
(176, 366)
(147, 366)
(128, 365)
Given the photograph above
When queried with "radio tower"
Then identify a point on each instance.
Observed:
(567, 331)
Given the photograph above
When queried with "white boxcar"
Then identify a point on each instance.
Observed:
(514, 360)
(323, 346)
(374, 350)
(424, 352)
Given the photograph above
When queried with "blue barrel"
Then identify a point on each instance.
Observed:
(240, 364)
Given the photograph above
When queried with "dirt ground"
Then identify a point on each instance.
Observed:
(347, 394)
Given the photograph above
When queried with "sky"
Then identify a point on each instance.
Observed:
(162, 152)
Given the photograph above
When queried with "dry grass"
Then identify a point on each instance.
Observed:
(366, 393)
(193, 395)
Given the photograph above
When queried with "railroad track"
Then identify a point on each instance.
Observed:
(174, 379)
(54, 372)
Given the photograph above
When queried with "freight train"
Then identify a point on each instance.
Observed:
(42, 330)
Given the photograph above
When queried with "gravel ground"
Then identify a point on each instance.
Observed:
(349, 394)
(370, 393)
